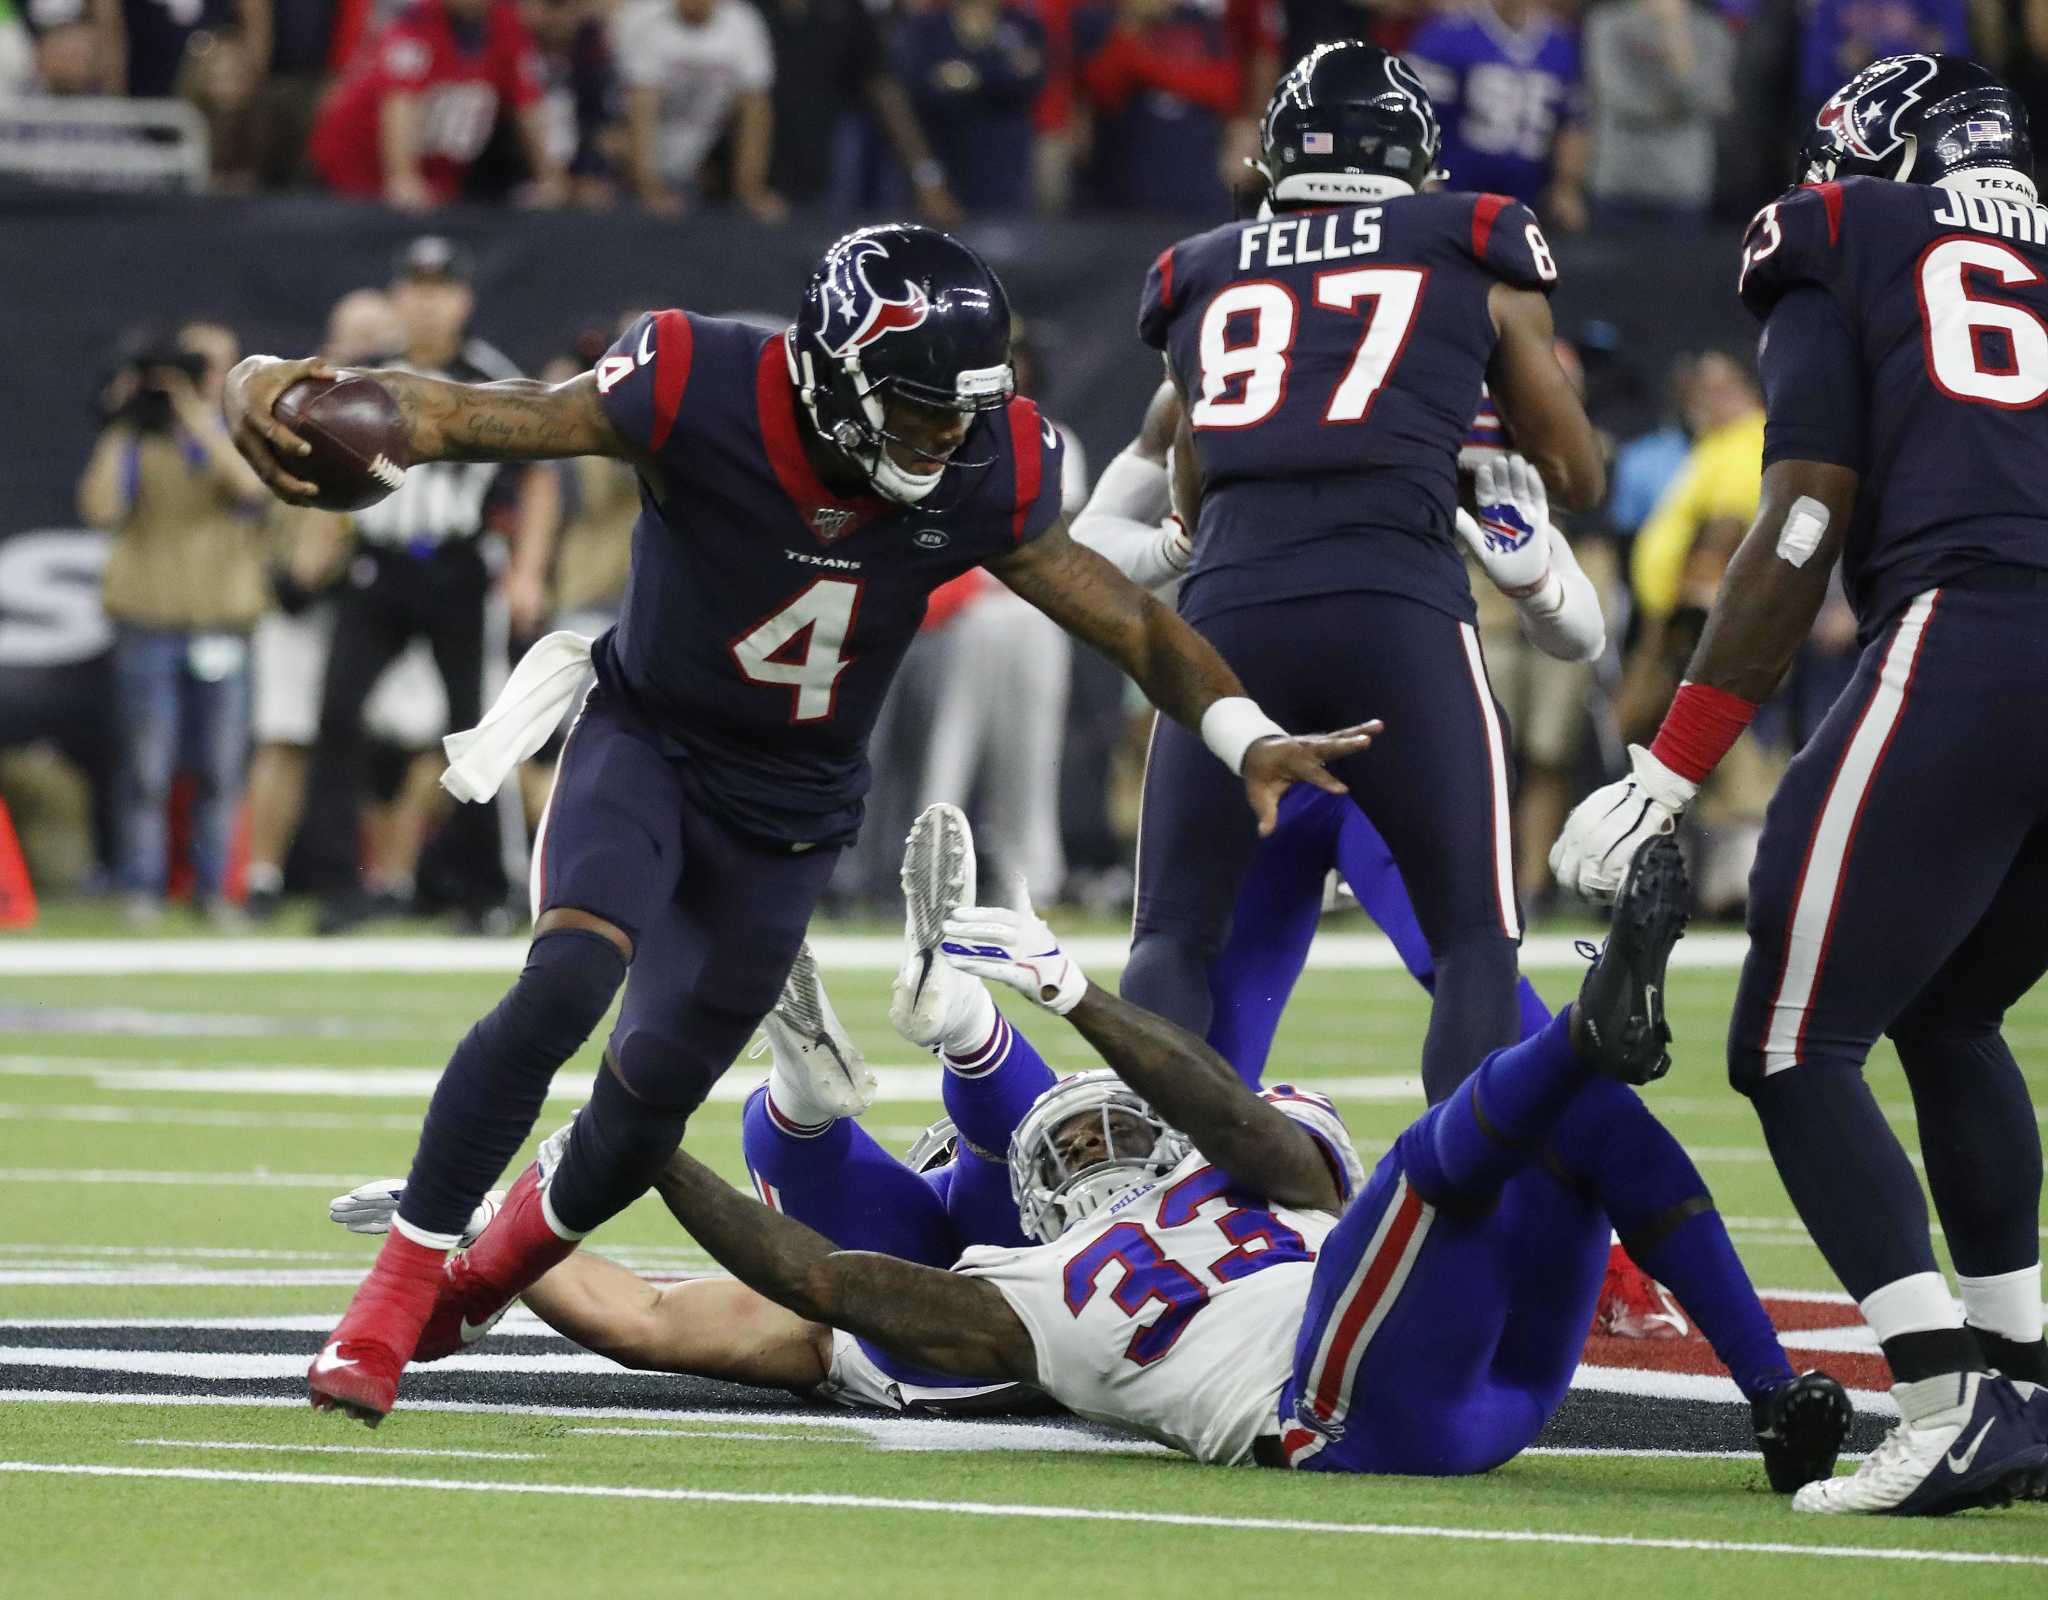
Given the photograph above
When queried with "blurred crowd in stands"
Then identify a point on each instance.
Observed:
(1670, 108)
(1662, 111)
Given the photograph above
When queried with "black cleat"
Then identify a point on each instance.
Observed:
(1621, 1026)
(1801, 1427)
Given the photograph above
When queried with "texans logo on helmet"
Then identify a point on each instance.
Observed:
(856, 313)
(1852, 116)
(1506, 529)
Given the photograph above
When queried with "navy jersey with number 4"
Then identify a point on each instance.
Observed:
(765, 615)
(1331, 362)
(1906, 336)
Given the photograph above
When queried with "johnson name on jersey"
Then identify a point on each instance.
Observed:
(1173, 1310)
(1331, 362)
(1906, 337)
(765, 615)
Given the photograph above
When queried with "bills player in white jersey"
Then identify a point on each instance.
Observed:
(1214, 1271)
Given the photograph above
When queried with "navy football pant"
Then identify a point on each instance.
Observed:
(1899, 889)
(716, 920)
(1436, 785)
(1279, 908)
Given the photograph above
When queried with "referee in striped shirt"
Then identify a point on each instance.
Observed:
(426, 568)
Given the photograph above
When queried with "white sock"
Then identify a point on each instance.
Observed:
(989, 1049)
(2007, 1304)
(792, 1106)
(970, 1034)
(263, 878)
(1919, 1304)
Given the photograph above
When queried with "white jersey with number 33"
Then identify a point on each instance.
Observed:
(1173, 1311)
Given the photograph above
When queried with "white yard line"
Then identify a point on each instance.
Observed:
(31, 957)
(1048, 1513)
(343, 1449)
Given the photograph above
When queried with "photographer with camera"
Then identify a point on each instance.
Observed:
(184, 586)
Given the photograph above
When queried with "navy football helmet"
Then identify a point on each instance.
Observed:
(1346, 118)
(905, 311)
(1916, 119)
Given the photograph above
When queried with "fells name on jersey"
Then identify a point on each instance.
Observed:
(1298, 241)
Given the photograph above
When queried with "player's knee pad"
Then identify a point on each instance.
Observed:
(673, 1066)
(562, 993)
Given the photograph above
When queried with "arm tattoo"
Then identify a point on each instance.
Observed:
(516, 419)
(1200, 1093)
(1178, 669)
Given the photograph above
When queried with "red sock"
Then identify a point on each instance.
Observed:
(516, 1250)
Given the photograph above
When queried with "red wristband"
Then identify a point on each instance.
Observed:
(1698, 729)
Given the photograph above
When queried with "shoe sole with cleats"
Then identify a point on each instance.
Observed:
(1801, 1428)
(1621, 1003)
(803, 1016)
(938, 878)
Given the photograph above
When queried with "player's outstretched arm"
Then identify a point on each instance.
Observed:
(1185, 1081)
(938, 1319)
(1178, 669)
(516, 419)
(1769, 597)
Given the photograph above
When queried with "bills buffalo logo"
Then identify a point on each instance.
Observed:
(856, 312)
(1862, 119)
(1505, 527)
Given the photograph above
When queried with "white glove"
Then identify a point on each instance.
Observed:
(999, 945)
(369, 1208)
(1608, 827)
(1511, 537)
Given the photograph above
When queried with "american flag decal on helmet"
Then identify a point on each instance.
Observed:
(1318, 144)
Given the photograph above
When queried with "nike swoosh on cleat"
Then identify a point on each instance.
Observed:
(924, 971)
(330, 1360)
(1960, 1465)
(471, 1332)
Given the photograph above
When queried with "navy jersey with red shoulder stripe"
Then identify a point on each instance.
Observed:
(1906, 336)
(765, 615)
(1331, 361)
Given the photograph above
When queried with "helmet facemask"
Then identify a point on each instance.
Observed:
(1084, 1142)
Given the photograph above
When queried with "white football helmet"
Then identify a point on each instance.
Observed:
(1083, 1142)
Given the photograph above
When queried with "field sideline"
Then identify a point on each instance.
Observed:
(174, 1114)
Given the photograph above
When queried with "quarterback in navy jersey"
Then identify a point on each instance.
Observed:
(802, 493)
(1330, 357)
(1897, 889)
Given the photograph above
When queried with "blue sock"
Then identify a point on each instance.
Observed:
(980, 1203)
(1368, 866)
(1464, 1148)
(1609, 1141)
(1534, 1012)
(987, 1090)
(840, 1182)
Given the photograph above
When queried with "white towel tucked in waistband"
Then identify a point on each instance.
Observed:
(526, 711)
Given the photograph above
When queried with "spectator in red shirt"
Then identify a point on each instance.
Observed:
(1160, 79)
(419, 108)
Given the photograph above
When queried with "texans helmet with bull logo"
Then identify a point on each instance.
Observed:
(906, 312)
(1916, 119)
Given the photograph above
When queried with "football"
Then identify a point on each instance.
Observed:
(358, 439)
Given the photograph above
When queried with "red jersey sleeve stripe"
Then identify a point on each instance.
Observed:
(1831, 197)
(1029, 449)
(1165, 269)
(672, 350)
(1485, 211)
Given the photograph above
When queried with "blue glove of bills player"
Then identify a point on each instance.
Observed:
(999, 945)
(1511, 536)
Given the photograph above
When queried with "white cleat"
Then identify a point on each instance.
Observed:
(369, 1207)
(811, 1047)
(1982, 1451)
(932, 1003)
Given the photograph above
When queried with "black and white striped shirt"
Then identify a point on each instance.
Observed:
(439, 502)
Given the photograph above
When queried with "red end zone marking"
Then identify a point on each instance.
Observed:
(1855, 1369)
